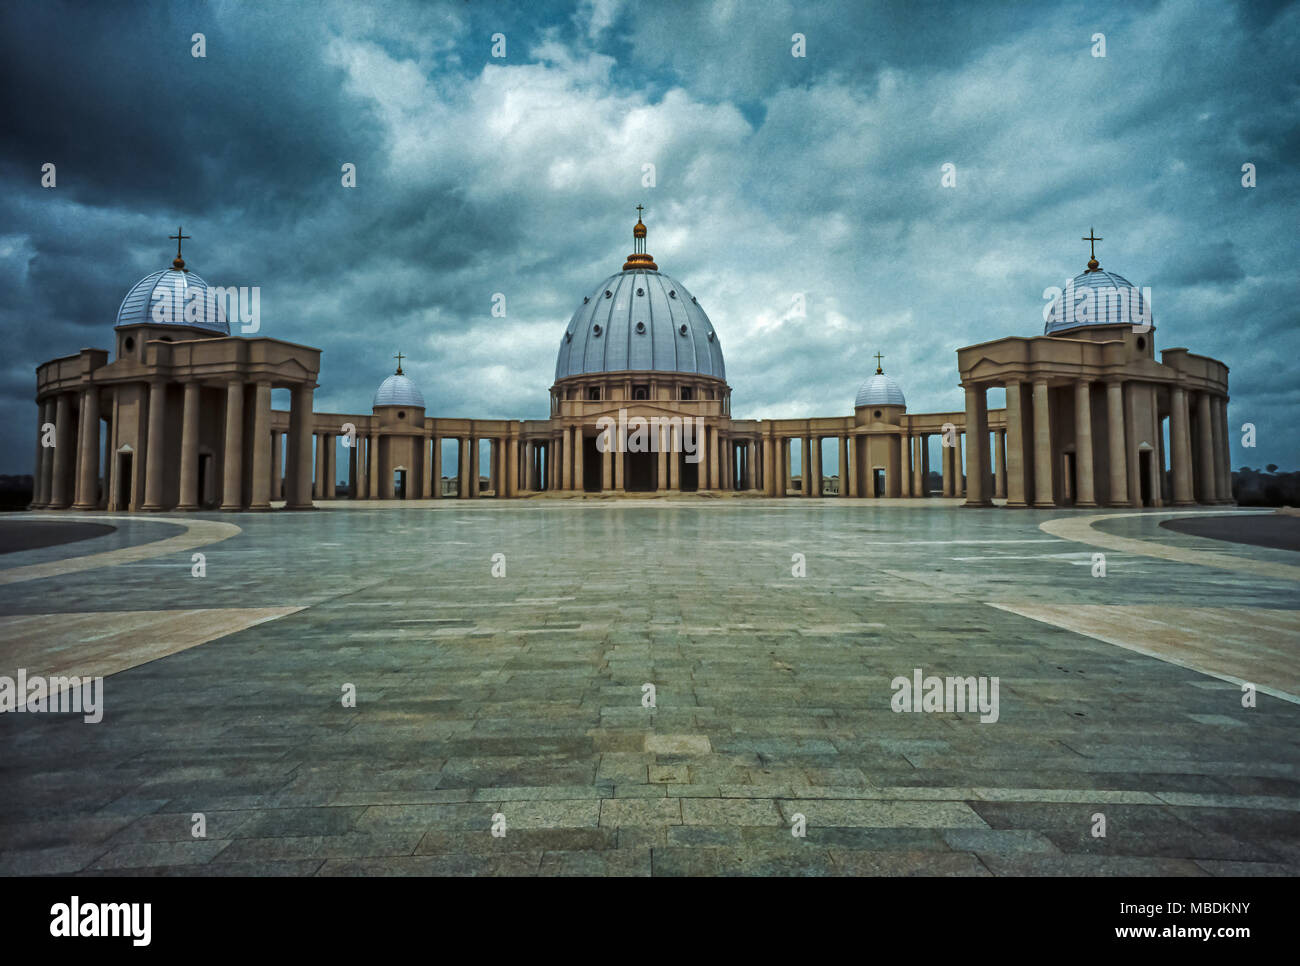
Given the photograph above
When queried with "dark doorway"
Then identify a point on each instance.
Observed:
(1144, 476)
(399, 484)
(205, 476)
(592, 461)
(1070, 481)
(878, 482)
(124, 481)
(689, 477)
(639, 472)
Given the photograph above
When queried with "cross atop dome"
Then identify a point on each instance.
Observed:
(1092, 239)
(179, 263)
(879, 371)
(399, 357)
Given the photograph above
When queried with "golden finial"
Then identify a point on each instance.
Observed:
(1092, 239)
(879, 371)
(639, 259)
(179, 263)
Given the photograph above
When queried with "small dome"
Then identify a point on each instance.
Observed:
(398, 390)
(167, 294)
(879, 390)
(1101, 298)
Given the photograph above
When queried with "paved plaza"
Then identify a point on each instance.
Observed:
(508, 691)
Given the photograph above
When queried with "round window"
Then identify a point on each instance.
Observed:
(129, 343)
(877, 413)
(640, 291)
(608, 294)
(682, 329)
(640, 328)
(1142, 342)
(595, 329)
(401, 414)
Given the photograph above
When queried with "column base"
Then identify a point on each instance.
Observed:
(1183, 503)
(1049, 505)
(1090, 505)
(1016, 506)
(187, 507)
(975, 504)
(85, 506)
(299, 506)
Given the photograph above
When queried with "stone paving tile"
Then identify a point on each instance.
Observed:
(436, 842)
(883, 814)
(907, 863)
(56, 860)
(446, 864)
(686, 861)
(614, 862)
(159, 853)
(617, 812)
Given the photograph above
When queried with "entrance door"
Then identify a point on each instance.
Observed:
(592, 462)
(1144, 476)
(399, 484)
(878, 482)
(124, 481)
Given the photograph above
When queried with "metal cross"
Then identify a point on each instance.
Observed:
(399, 357)
(178, 236)
(878, 358)
(1092, 240)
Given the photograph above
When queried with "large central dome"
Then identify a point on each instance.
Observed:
(640, 319)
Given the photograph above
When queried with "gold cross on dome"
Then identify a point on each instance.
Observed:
(639, 209)
(879, 371)
(399, 357)
(178, 236)
(1092, 240)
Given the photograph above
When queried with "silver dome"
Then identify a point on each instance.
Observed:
(879, 390)
(398, 390)
(171, 290)
(1111, 299)
(640, 320)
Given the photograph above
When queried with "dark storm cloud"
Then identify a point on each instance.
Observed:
(776, 176)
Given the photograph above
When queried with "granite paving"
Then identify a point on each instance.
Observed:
(502, 723)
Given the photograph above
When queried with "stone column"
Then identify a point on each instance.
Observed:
(1205, 429)
(946, 458)
(299, 470)
(88, 455)
(260, 497)
(579, 455)
(854, 444)
(232, 462)
(426, 476)
(977, 447)
(44, 456)
(361, 483)
(1222, 453)
(566, 464)
(1042, 447)
(322, 467)
(754, 463)
(1118, 448)
(674, 459)
(607, 471)
(60, 491)
(375, 470)
(352, 469)
(661, 443)
(904, 464)
(1085, 495)
(1180, 442)
(155, 449)
(1000, 483)
(331, 465)
(530, 462)
(273, 484)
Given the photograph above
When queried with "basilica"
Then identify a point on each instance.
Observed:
(179, 416)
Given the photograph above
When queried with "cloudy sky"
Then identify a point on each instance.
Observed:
(774, 175)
